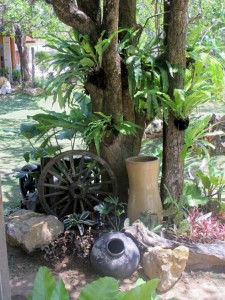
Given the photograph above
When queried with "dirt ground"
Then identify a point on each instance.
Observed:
(76, 273)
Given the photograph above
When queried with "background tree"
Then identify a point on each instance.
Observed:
(176, 25)
(22, 18)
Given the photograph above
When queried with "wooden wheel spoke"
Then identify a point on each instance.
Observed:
(81, 204)
(80, 166)
(55, 204)
(99, 184)
(74, 181)
(60, 165)
(54, 194)
(61, 187)
(65, 208)
(57, 175)
(100, 192)
(88, 171)
(97, 175)
(75, 204)
(93, 198)
(72, 165)
(88, 202)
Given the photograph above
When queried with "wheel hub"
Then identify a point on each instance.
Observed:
(77, 190)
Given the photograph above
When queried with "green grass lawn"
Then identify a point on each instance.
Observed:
(14, 110)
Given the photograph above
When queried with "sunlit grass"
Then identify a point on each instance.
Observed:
(14, 110)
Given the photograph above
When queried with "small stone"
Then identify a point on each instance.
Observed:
(30, 230)
(165, 264)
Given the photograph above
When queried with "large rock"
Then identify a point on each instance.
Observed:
(201, 256)
(165, 264)
(30, 230)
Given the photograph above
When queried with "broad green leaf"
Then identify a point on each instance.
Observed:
(204, 179)
(26, 156)
(44, 284)
(29, 131)
(60, 292)
(106, 288)
(146, 291)
(87, 62)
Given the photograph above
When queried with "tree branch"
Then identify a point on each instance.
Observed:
(71, 15)
(91, 8)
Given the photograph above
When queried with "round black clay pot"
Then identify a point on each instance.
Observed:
(181, 124)
(115, 254)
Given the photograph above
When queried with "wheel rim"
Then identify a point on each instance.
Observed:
(75, 181)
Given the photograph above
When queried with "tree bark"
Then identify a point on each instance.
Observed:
(176, 23)
(20, 41)
(70, 14)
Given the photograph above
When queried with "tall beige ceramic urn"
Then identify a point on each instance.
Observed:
(143, 186)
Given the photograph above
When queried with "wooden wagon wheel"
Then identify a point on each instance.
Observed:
(75, 181)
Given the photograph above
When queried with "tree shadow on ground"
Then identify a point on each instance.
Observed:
(17, 102)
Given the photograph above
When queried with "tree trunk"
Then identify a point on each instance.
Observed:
(108, 88)
(20, 40)
(176, 23)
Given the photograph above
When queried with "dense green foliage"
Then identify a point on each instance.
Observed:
(36, 18)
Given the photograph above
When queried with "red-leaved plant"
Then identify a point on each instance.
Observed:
(205, 228)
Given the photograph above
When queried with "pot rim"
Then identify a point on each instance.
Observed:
(115, 254)
(142, 159)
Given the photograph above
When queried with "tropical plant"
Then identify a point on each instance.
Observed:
(45, 287)
(107, 128)
(147, 71)
(74, 61)
(51, 127)
(78, 220)
(196, 138)
(150, 220)
(204, 80)
(211, 184)
(175, 211)
(111, 210)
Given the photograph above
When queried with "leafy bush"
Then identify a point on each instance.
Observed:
(40, 82)
(206, 187)
(111, 210)
(4, 71)
(42, 60)
(16, 75)
(45, 287)
(204, 228)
